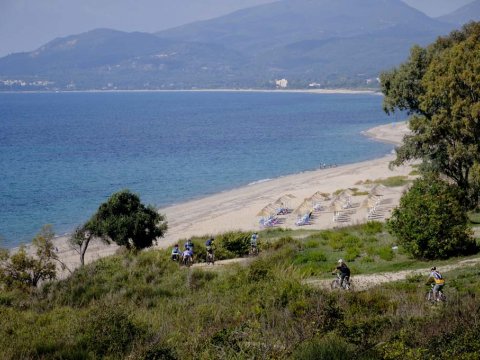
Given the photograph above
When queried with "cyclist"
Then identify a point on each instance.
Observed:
(176, 253)
(187, 256)
(189, 245)
(344, 271)
(209, 246)
(254, 243)
(436, 277)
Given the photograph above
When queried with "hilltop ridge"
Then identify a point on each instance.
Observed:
(345, 43)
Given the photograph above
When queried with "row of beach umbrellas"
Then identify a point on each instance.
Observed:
(308, 204)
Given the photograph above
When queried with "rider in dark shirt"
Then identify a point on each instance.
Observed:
(344, 271)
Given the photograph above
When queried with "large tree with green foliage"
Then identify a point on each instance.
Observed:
(430, 222)
(124, 220)
(439, 86)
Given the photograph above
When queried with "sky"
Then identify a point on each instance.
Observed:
(25, 25)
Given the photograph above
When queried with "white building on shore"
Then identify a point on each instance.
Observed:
(282, 83)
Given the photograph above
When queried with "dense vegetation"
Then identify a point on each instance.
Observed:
(144, 306)
(431, 222)
(439, 86)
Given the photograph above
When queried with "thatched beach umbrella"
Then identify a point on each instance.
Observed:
(377, 189)
(320, 196)
(267, 211)
(304, 207)
(284, 200)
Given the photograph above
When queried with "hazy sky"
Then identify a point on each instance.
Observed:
(27, 24)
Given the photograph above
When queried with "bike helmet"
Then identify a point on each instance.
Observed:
(340, 261)
(433, 268)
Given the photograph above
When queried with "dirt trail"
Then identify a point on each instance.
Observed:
(364, 282)
(361, 282)
(219, 264)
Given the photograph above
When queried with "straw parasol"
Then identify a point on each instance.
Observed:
(284, 200)
(267, 210)
(320, 196)
(304, 207)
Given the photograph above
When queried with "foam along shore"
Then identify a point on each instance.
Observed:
(237, 209)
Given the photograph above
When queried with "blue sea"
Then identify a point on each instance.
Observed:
(63, 154)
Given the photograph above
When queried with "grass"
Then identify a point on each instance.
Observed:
(144, 306)
(474, 217)
(393, 181)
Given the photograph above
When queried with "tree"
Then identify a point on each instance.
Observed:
(124, 220)
(21, 270)
(439, 86)
(430, 222)
(80, 240)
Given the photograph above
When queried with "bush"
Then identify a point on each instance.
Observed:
(330, 347)
(311, 256)
(430, 221)
(372, 227)
(235, 242)
(109, 330)
(386, 253)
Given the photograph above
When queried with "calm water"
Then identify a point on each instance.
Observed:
(62, 154)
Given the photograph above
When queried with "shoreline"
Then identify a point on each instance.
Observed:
(237, 209)
(300, 91)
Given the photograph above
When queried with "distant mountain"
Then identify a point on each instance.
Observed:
(436, 8)
(284, 22)
(107, 59)
(463, 15)
(331, 43)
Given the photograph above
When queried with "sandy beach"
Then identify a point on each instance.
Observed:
(237, 209)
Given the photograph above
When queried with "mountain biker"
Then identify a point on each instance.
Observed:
(254, 243)
(436, 277)
(209, 245)
(176, 253)
(187, 256)
(344, 271)
(189, 245)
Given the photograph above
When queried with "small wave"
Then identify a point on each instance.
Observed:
(259, 181)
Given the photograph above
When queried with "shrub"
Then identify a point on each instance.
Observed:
(430, 222)
(235, 242)
(352, 253)
(108, 330)
(330, 347)
(259, 270)
(312, 256)
(372, 227)
(386, 253)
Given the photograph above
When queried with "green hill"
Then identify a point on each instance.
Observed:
(144, 306)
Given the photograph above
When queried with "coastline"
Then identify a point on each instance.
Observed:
(237, 209)
(308, 91)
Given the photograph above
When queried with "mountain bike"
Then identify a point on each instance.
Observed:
(187, 261)
(210, 258)
(430, 297)
(347, 283)
(253, 251)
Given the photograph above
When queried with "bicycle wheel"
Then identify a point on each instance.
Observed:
(442, 296)
(335, 284)
(429, 296)
(210, 259)
(348, 286)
